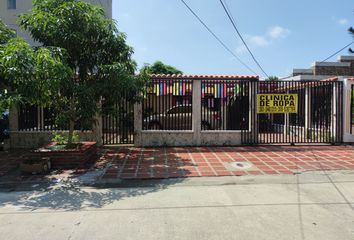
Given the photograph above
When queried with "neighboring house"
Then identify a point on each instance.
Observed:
(11, 9)
(322, 70)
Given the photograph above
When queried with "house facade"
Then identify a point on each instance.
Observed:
(344, 66)
(11, 9)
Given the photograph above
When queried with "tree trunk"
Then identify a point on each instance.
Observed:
(71, 132)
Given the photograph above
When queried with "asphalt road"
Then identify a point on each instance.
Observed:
(313, 205)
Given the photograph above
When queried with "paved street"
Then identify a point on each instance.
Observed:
(311, 205)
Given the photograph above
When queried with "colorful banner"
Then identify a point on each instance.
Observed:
(175, 88)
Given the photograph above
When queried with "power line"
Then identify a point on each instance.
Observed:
(338, 51)
(217, 38)
(244, 42)
(327, 57)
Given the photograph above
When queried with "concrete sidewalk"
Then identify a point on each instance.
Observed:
(171, 162)
(312, 205)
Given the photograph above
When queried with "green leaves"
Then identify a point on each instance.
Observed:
(160, 68)
(33, 75)
(84, 58)
(5, 33)
(79, 27)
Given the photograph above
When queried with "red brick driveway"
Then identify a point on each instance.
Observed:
(143, 163)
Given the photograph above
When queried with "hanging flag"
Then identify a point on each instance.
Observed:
(224, 91)
(236, 89)
(180, 89)
(175, 89)
(170, 88)
(184, 88)
(220, 91)
(157, 89)
(165, 88)
(161, 88)
(189, 87)
(203, 90)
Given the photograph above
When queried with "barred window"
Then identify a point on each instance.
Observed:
(11, 4)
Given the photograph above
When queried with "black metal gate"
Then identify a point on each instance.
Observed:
(118, 125)
(352, 111)
(315, 117)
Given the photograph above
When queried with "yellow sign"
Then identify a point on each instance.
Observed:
(276, 103)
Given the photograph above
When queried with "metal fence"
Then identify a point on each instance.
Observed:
(318, 118)
(225, 104)
(167, 105)
(34, 118)
(118, 125)
(352, 111)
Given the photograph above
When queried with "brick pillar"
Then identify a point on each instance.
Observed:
(138, 127)
(13, 126)
(13, 119)
(334, 113)
(307, 112)
(196, 105)
(97, 128)
(253, 135)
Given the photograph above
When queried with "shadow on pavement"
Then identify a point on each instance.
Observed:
(68, 195)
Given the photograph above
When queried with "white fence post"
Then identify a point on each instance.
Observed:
(138, 125)
(196, 103)
(334, 113)
(13, 124)
(307, 112)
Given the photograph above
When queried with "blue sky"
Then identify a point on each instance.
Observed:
(282, 34)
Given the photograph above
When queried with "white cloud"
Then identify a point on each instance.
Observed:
(259, 41)
(240, 49)
(343, 21)
(276, 32)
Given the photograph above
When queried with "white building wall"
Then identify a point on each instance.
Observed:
(9, 16)
(348, 136)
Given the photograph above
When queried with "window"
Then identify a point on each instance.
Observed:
(11, 4)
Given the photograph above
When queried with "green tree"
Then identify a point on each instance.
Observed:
(96, 53)
(159, 67)
(272, 78)
(31, 75)
(5, 33)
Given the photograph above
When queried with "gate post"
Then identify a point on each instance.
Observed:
(196, 111)
(13, 119)
(287, 123)
(97, 128)
(138, 126)
(13, 126)
(347, 109)
(253, 135)
(334, 113)
(307, 112)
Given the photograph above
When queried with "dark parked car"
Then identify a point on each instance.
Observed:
(180, 118)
